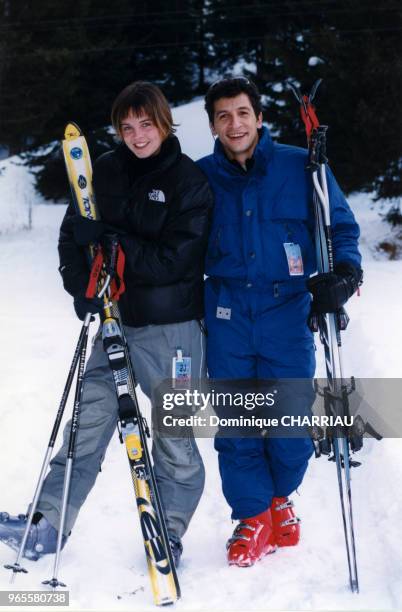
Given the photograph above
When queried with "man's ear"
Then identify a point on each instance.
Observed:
(259, 121)
(211, 127)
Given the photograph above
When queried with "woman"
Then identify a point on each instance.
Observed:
(158, 201)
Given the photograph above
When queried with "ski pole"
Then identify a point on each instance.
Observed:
(54, 582)
(16, 567)
(335, 381)
(330, 324)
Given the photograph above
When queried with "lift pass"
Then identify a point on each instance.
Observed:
(294, 257)
(181, 369)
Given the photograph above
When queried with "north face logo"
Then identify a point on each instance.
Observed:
(156, 195)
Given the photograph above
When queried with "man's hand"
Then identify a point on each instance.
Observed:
(332, 290)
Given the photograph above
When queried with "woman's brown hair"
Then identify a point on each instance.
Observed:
(146, 98)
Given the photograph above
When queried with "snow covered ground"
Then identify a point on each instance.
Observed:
(17, 194)
(103, 563)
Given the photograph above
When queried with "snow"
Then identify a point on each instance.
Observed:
(17, 193)
(314, 61)
(103, 563)
(242, 66)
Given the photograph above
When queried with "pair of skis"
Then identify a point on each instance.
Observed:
(329, 326)
(132, 427)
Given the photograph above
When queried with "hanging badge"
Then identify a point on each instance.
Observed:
(181, 370)
(294, 257)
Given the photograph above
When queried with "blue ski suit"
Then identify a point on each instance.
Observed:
(257, 304)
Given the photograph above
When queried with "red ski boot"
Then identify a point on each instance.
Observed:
(252, 539)
(284, 521)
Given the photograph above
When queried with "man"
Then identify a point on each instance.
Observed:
(260, 256)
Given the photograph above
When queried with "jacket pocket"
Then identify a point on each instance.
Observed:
(290, 206)
(225, 254)
(287, 222)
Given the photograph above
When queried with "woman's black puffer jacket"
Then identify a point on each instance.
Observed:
(162, 205)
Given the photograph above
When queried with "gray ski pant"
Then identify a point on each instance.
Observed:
(178, 466)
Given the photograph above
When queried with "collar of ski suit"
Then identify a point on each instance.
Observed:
(169, 154)
(261, 156)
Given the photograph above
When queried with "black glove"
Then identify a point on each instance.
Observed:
(87, 231)
(82, 305)
(333, 289)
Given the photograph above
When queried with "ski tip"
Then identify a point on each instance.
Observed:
(295, 90)
(72, 131)
(314, 89)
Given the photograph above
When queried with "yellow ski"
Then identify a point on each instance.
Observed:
(132, 427)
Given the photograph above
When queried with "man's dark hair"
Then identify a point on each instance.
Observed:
(230, 88)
